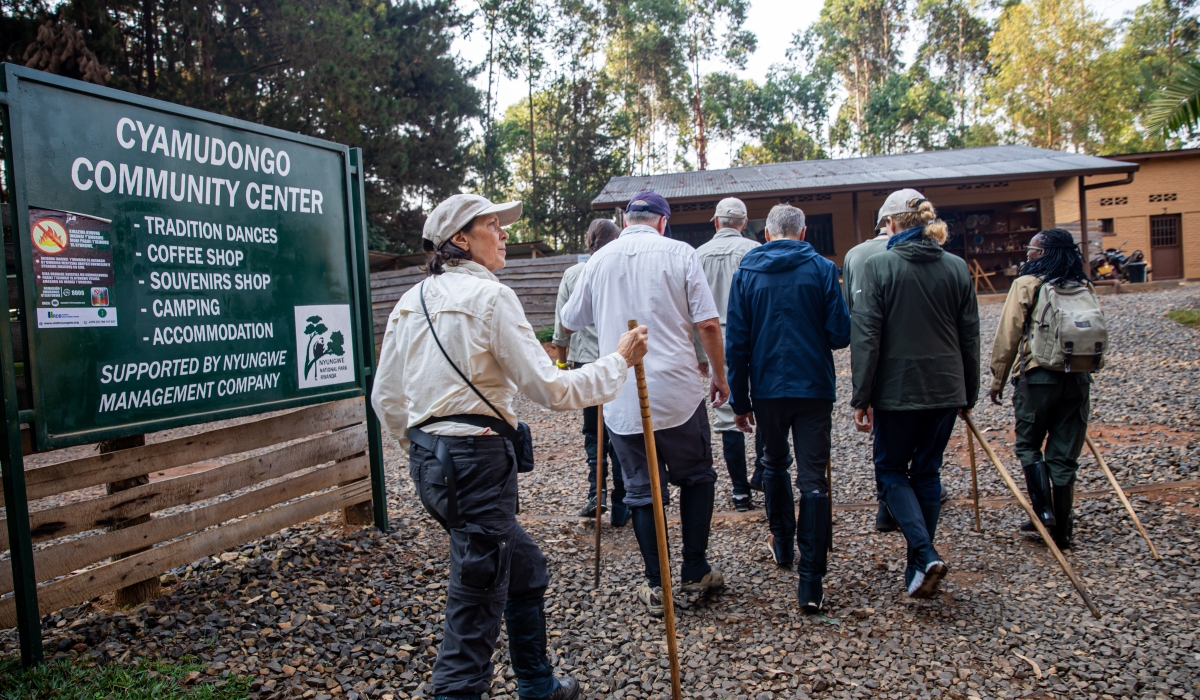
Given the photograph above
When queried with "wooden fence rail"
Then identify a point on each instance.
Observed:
(317, 463)
(535, 281)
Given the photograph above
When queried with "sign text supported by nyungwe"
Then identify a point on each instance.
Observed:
(172, 262)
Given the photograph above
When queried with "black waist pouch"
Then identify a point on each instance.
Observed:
(521, 437)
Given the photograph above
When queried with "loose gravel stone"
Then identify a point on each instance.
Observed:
(322, 611)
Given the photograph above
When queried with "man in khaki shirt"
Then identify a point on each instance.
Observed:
(720, 258)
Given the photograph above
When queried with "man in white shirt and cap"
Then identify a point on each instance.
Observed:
(647, 276)
(456, 350)
(720, 258)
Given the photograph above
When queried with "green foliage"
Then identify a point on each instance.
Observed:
(1188, 317)
(153, 680)
(1178, 104)
(957, 43)
(1162, 38)
(375, 75)
(783, 143)
(1057, 79)
(858, 41)
(545, 335)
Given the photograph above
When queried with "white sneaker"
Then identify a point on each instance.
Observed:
(925, 583)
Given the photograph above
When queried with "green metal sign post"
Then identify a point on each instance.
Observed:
(173, 267)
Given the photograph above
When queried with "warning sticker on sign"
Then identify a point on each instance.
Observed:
(72, 269)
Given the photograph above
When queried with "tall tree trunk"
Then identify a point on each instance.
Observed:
(698, 105)
(489, 121)
(532, 154)
(149, 42)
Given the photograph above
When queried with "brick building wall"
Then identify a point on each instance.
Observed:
(1166, 183)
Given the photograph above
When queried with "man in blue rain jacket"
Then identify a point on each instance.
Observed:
(785, 318)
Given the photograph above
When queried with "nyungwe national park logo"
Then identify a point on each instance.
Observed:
(322, 356)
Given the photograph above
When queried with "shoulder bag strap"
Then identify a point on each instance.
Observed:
(1027, 334)
(445, 354)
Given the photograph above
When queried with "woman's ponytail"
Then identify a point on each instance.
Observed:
(925, 215)
(935, 228)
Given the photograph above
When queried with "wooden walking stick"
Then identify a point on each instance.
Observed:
(974, 479)
(1121, 495)
(1037, 522)
(599, 482)
(660, 524)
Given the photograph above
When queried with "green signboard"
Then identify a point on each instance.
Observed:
(176, 266)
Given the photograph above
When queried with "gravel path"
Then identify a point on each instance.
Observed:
(322, 611)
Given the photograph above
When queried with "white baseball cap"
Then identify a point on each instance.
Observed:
(731, 208)
(899, 202)
(452, 215)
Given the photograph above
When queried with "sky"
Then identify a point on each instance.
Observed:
(774, 22)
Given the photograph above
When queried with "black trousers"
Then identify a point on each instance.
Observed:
(611, 466)
(809, 423)
(685, 460)
(495, 569)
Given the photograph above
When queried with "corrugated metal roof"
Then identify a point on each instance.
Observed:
(909, 170)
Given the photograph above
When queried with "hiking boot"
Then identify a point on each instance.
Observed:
(884, 522)
(568, 689)
(589, 511)
(775, 554)
(743, 502)
(924, 584)
(712, 581)
(1037, 484)
(652, 598)
(1064, 504)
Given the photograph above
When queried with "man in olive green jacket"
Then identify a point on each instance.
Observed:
(915, 358)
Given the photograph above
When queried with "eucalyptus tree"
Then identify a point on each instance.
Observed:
(1056, 79)
(713, 29)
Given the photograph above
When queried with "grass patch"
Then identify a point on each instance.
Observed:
(151, 680)
(1188, 317)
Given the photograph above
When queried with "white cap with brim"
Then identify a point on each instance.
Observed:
(731, 208)
(453, 215)
(898, 203)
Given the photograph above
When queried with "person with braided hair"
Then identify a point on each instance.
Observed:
(914, 352)
(1050, 406)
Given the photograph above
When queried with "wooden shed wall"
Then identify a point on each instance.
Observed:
(534, 280)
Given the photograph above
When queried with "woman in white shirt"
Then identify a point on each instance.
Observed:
(461, 325)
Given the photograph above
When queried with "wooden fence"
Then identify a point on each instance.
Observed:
(535, 282)
(316, 462)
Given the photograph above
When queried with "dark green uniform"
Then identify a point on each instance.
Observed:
(1052, 408)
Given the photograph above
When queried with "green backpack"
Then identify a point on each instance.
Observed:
(1066, 330)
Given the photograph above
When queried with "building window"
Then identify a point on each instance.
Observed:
(1164, 231)
(820, 233)
(1106, 227)
(1167, 197)
(1113, 201)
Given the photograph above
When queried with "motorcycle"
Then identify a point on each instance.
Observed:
(1113, 264)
